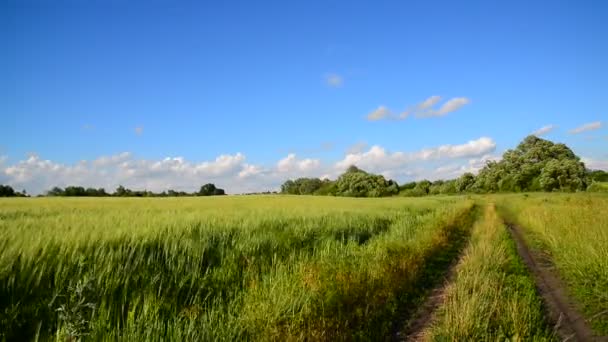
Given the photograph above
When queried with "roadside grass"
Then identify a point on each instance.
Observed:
(492, 296)
(570, 232)
(230, 268)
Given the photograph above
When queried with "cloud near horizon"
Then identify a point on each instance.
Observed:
(233, 173)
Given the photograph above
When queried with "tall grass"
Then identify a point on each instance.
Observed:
(571, 232)
(248, 268)
(492, 297)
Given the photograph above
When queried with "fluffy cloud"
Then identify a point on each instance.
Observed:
(587, 127)
(472, 148)
(377, 159)
(38, 175)
(454, 170)
(233, 173)
(379, 113)
(595, 164)
(544, 130)
(334, 80)
(291, 164)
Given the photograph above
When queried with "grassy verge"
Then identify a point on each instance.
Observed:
(492, 297)
(571, 232)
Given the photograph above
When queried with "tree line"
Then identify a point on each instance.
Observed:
(208, 189)
(534, 165)
(352, 183)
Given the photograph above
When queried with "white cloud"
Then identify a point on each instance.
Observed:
(449, 106)
(334, 80)
(472, 148)
(430, 102)
(233, 173)
(544, 130)
(377, 159)
(292, 164)
(587, 127)
(250, 170)
(423, 109)
(38, 175)
(455, 170)
(139, 130)
(595, 164)
(379, 113)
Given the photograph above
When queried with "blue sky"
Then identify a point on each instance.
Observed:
(161, 90)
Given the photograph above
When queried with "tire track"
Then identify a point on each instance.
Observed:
(568, 322)
(425, 315)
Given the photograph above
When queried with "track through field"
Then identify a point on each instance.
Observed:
(568, 322)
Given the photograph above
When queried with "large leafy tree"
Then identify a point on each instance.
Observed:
(358, 183)
(535, 164)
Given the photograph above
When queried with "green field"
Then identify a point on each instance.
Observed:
(289, 267)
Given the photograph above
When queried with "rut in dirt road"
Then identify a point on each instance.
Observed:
(412, 325)
(425, 315)
(569, 323)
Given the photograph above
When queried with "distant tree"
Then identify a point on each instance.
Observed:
(289, 187)
(465, 182)
(423, 186)
(598, 175)
(358, 183)
(448, 187)
(435, 187)
(208, 189)
(407, 186)
(55, 191)
(74, 191)
(302, 186)
(121, 191)
(7, 191)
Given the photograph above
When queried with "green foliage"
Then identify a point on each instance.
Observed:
(8, 191)
(121, 191)
(357, 183)
(565, 175)
(536, 164)
(598, 176)
(209, 189)
(352, 183)
(598, 187)
(465, 182)
(302, 186)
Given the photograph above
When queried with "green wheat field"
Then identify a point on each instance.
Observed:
(289, 268)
